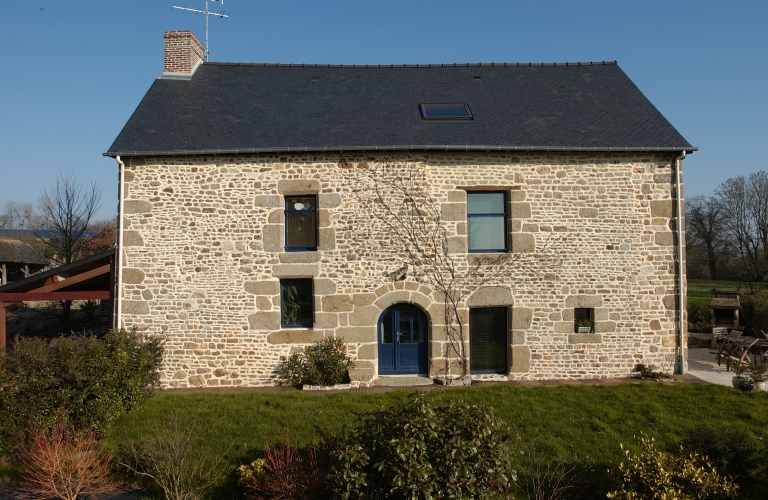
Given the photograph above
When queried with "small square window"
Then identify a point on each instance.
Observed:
(300, 223)
(296, 303)
(487, 222)
(583, 320)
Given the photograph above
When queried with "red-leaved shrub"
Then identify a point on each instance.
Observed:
(285, 472)
(65, 463)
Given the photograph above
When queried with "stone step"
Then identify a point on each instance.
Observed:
(401, 381)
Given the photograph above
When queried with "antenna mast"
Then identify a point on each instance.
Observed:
(208, 13)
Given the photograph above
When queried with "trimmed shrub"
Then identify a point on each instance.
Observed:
(732, 451)
(94, 380)
(699, 318)
(424, 449)
(323, 363)
(654, 474)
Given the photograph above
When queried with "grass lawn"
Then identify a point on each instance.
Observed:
(579, 424)
(698, 290)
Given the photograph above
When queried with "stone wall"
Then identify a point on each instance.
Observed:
(203, 248)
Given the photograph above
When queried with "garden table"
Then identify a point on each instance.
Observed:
(759, 350)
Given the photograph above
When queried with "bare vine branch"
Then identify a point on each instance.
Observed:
(395, 194)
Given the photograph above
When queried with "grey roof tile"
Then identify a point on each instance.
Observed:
(15, 251)
(262, 107)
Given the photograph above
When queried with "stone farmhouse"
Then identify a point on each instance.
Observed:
(250, 226)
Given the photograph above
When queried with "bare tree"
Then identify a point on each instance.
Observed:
(17, 215)
(396, 195)
(706, 231)
(744, 202)
(67, 209)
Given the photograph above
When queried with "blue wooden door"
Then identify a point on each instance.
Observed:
(403, 341)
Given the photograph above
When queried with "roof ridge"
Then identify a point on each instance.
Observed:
(439, 65)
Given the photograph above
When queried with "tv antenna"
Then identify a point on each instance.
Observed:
(208, 13)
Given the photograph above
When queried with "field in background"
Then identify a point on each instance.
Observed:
(698, 290)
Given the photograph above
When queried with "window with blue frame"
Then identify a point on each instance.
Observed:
(487, 222)
(300, 223)
(296, 303)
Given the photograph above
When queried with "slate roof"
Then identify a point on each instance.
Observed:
(14, 251)
(229, 108)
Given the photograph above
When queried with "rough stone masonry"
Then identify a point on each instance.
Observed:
(204, 253)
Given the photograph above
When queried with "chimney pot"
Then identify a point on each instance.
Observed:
(183, 54)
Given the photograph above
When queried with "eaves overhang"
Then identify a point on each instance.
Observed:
(413, 147)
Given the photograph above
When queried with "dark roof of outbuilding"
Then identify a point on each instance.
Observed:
(18, 252)
(67, 271)
(230, 108)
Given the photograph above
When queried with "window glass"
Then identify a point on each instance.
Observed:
(296, 303)
(488, 340)
(487, 222)
(486, 233)
(386, 327)
(584, 319)
(404, 333)
(300, 223)
(419, 327)
(457, 111)
(485, 203)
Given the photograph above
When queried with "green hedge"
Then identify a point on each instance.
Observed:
(93, 380)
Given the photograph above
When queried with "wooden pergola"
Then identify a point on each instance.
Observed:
(92, 278)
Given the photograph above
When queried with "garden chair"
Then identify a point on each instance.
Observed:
(728, 344)
(740, 352)
(719, 333)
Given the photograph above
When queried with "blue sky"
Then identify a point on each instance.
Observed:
(74, 71)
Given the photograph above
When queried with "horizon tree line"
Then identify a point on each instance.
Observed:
(727, 232)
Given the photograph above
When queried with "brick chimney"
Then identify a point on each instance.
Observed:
(183, 54)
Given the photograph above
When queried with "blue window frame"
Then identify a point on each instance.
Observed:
(296, 303)
(487, 222)
(300, 223)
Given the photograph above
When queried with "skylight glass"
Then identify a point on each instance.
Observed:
(448, 111)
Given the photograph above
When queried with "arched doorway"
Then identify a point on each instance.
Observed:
(402, 339)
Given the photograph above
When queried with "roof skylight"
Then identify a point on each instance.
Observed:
(446, 111)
